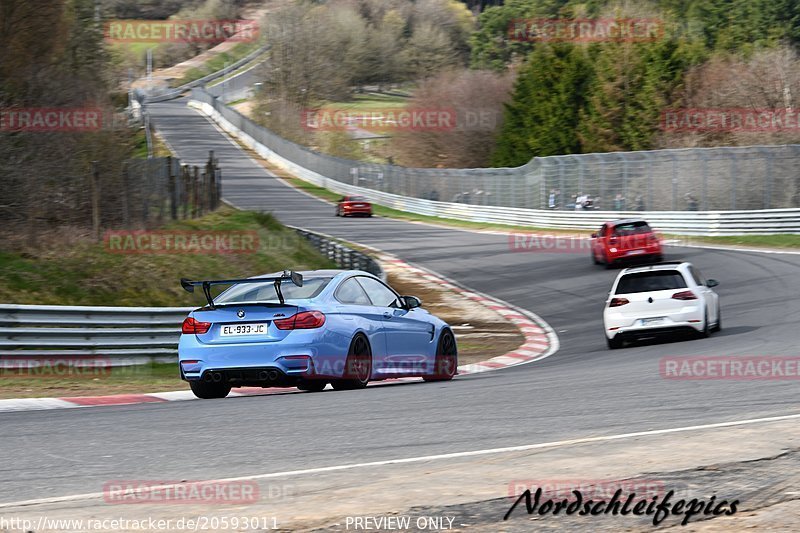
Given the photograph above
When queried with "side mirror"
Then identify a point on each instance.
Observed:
(411, 302)
(712, 283)
(594, 235)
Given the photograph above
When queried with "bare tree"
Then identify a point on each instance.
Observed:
(475, 100)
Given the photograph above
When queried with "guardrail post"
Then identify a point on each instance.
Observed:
(196, 192)
(210, 188)
(173, 192)
(185, 191)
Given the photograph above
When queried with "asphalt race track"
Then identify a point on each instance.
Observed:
(582, 390)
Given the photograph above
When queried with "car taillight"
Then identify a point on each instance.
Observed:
(304, 320)
(684, 295)
(616, 302)
(190, 325)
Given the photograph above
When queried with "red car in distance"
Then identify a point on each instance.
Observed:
(625, 240)
(353, 205)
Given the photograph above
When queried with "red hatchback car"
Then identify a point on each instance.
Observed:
(353, 205)
(625, 240)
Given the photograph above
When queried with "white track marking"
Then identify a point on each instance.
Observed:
(422, 459)
(32, 404)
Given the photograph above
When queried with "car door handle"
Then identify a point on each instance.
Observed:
(387, 314)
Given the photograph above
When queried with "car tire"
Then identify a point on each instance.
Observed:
(614, 343)
(446, 362)
(209, 390)
(357, 366)
(608, 264)
(594, 258)
(312, 385)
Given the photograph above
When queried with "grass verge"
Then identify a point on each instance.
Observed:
(72, 269)
(152, 377)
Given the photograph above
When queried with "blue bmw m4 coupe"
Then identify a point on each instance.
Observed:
(308, 329)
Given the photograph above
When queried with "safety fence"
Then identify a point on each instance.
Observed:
(505, 196)
(692, 179)
(154, 190)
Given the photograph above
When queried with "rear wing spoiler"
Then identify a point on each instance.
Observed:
(295, 277)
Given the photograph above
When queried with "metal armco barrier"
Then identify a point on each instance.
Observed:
(344, 256)
(123, 335)
(310, 166)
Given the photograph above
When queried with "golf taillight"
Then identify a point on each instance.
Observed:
(684, 295)
(616, 302)
(304, 320)
(192, 326)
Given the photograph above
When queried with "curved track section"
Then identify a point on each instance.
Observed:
(583, 390)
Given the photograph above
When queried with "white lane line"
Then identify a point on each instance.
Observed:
(736, 249)
(426, 458)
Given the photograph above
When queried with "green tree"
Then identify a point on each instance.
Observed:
(545, 108)
(492, 47)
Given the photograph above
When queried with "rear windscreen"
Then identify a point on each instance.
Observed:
(265, 292)
(660, 280)
(632, 228)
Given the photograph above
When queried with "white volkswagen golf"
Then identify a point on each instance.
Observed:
(660, 300)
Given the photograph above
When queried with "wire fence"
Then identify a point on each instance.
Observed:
(161, 188)
(691, 179)
(134, 194)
